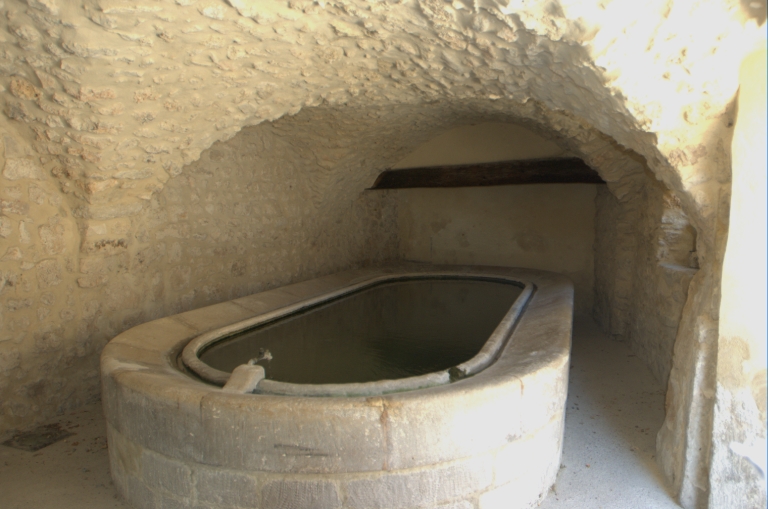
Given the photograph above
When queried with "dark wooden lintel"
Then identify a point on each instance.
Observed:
(561, 170)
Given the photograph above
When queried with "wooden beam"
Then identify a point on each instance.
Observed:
(561, 170)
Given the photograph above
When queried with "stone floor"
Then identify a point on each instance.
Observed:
(615, 407)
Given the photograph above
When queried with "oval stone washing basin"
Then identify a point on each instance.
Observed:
(484, 432)
(384, 334)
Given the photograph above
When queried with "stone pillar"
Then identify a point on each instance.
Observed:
(737, 474)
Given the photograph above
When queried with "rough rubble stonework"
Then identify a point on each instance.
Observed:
(238, 220)
(645, 256)
(110, 216)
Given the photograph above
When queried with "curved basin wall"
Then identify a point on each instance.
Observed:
(489, 440)
(487, 354)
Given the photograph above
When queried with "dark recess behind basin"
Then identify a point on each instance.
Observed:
(562, 170)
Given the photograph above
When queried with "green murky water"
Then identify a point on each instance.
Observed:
(390, 331)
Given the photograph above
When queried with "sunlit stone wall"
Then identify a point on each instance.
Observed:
(739, 424)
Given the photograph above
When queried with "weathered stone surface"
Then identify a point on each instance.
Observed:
(515, 495)
(92, 281)
(738, 465)
(24, 236)
(421, 488)
(225, 488)
(20, 87)
(166, 474)
(300, 495)
(465, 504)
(22, 169)
(645, 239)
(277, 434)
(163, 417)
(10, 358)
(52, 237)
(167, 501)
(259, 450)
(13, 253)
(103, 266)
(15, 207)
(125, 460)
(48, 339)
(16, 304)
(414, 443)
(159, 336)
(540, 450)
(48, 273)
(212, 317)
(5, 227)
(113, 211)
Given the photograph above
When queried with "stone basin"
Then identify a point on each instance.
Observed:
(490, 439)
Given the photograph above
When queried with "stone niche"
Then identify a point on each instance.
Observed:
(159, 156)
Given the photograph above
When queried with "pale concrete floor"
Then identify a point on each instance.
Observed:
(615, 407)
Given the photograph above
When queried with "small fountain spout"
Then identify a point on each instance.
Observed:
(263, 354)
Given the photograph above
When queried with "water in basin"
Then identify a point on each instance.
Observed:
(389, 331)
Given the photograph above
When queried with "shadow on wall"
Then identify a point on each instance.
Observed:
(539, 226)
(645, 258)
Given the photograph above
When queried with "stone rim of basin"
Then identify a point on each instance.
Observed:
(246, 378)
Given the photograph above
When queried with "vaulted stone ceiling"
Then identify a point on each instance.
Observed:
(121, 94)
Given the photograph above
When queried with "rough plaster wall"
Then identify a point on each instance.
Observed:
(646, 286)
(105, 273)
(544, 226)
(606, 210)
(121, 94)
(39, 341)
(242, 218)
(644, 262)
(615, 253)
(547, 227)
(481, 143)
(665, 263)
(113, 97)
